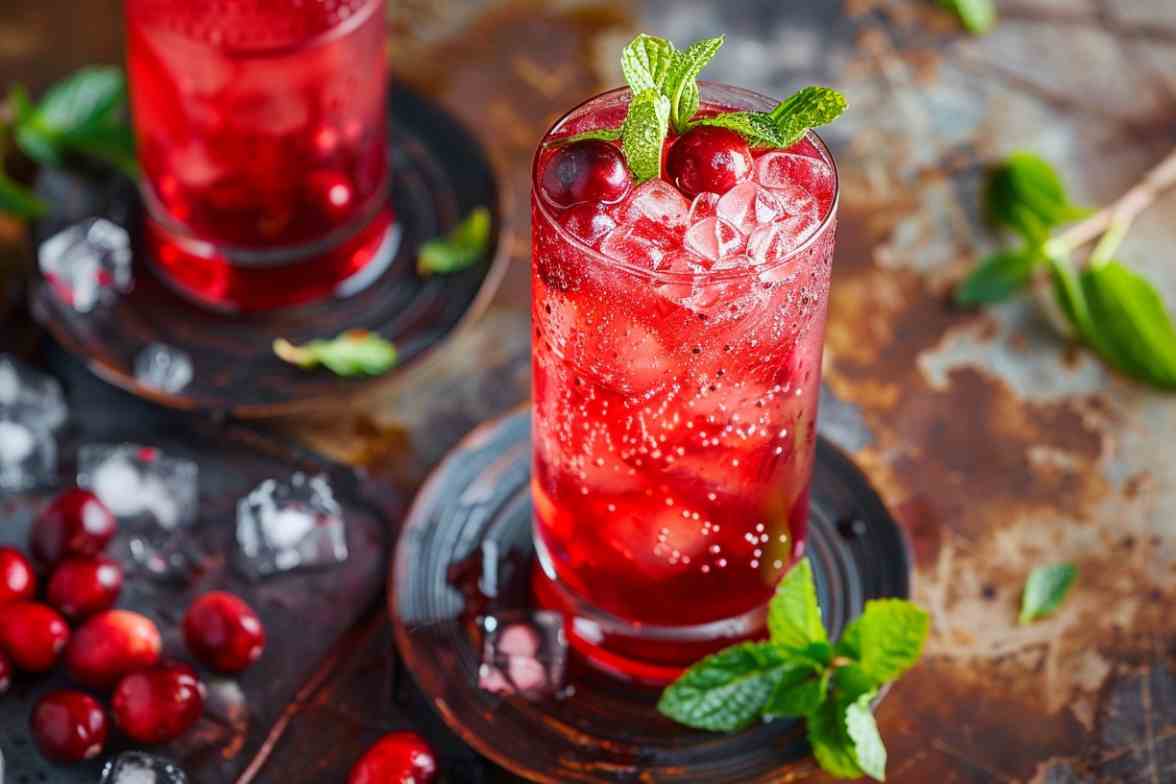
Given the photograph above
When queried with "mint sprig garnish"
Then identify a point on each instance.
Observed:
(1045, 590)
(787, 124)
(354, 353)
(644, 133)
(797, 673)
(977, 16)
(1112, 309)
(464, 246)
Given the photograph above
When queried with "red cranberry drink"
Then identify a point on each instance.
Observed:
(260, 127)
(679, 312)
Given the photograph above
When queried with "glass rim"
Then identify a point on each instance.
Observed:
(339, 30)
(827, 220)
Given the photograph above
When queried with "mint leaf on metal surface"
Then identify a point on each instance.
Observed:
(465, 245)
(998, 277)
(794, 616)
(977, 16)
(354, 353)
(644, 133)
(1026, 195)
(1135, 330)
(1045, 589)
(890, 634)
(868, 748)
(646, 61)
(681, 85)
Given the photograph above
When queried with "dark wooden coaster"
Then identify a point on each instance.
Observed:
(606, 730)
(439, 174)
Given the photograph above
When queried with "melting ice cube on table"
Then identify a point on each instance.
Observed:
(28, 454)
(290, 524)
(163, 367)
(88, 263)
(137, 767)
(523, 653)
(29, 395)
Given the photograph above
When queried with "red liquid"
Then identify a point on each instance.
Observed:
(674, 417)
(261, 132)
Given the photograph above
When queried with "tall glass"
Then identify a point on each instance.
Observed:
(675, 403)
(260, 127)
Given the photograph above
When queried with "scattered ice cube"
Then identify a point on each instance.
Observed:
(658, 201)
(789, 172)
(524, 654)
(286, 525)
(28, 454)
(163, 367)
(29, 395)
(644, 244)
(137, 767)
(747, 205)
(589, 222)
(703, 206)
(715, 239)
(88, 263)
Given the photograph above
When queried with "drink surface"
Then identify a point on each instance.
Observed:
(259, 123)
(676, 363)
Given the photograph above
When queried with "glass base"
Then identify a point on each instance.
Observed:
(654, 655)
(220, 279)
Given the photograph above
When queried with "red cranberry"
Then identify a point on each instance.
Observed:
(76, 523)
(397, 758)
(223, 632)
(158, 705)
(110, 645)
(68, 726)
(81, 587)
(17, 579)
(709, 159)
(5, 673)
(32, 634)
(586, 171)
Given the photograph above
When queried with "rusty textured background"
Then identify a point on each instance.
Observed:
(997, 444)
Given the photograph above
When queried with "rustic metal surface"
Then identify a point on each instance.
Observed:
(997, 444)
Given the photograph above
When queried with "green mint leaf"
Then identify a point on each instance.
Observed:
(1026, 195)
(850, 644)
(1130, 323)
(602, 134)
(1045, 589)
(352, 353)
(727, 690)
(997, 277)
(867, 742)
(646, 61)
(644, 133)
(19, 201)
(464, 246)
(681, 85)
(977, 16)
(819, 653)
(1071, 299)
(889, 635)
(851, 681)
(798, 694)
(830, 740)
(794, 616)
(811, 107)
(756, 127)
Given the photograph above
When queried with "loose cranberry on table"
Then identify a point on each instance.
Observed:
(223, 632)
(17, 579)
(707, 159)
(397, 758)
(158, 705)
(68, 726)
(586, 171)
(81, 587)
(32, 634)
(111, 645)
(76, 523)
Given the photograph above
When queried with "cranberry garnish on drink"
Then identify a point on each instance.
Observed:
(224, 632)
(586, 171)
(33, 635)
(397, 758)
(68, 726)
(159, 704)
(76, 523)
(111, 645)
(18, 581)
(707, 159)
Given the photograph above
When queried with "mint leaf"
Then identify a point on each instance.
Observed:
(1025, 194)
(602, 134)
(19, 201)
(727, 690)
(798, 694)
(1045, 589)
(644, 133)
(889, 635)
(646, 61)
(462, 247)
(788, 122)
(352, 353)
(1132, 325)
(681, 85)
(997, 277)
(757, 128)
(977, 16)
(794, 616)
(851, 682)
(829, 737)
(868, 748)
(1071, 299)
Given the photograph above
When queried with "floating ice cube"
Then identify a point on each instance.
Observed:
(589, 222)
(28, 454)
(657, 201)
(524, 654)
(163, 367)
(715, 239)
(137, 767)
(286, 525)
(88, 263)
(795, 174)
(747, 205)
(770, 244)
(29, 395)
(644, 244)
(703, 206)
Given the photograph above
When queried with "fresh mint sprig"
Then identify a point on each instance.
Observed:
(787, 124)
(1112, 309)
(1046, 589)
(354, 353)
(799, 673)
